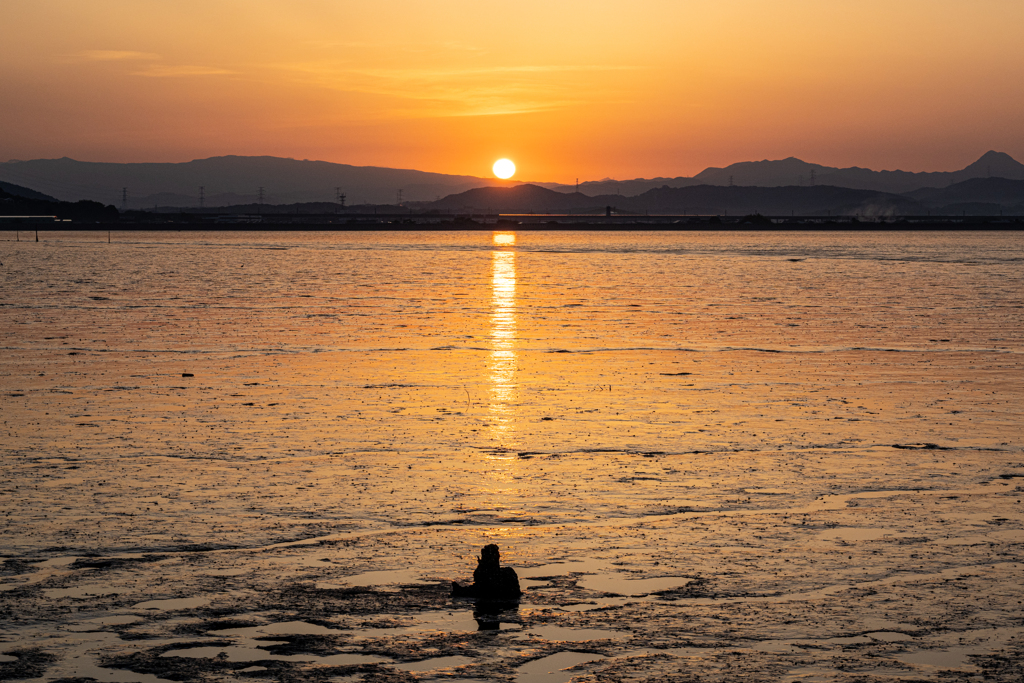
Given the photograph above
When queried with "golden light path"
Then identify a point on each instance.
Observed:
(504, 391)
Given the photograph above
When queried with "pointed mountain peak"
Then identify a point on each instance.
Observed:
(996, 164)
(993, 155)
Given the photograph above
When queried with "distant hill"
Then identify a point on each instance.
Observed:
(625, 188)
(80, 211)
(998, 191)
(519, 199)
(19, 191)
(233, 180)
(792, 171)
(820, 200)
(701, 199)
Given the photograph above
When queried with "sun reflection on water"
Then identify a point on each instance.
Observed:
(504, 391)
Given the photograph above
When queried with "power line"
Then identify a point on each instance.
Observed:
(202, 196)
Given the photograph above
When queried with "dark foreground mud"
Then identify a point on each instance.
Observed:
(834, 591)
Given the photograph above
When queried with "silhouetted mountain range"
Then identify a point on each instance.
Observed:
(988, 186)
(793, 171)
(996, 191)
(700, 199)
(980, 196)
(233, 180)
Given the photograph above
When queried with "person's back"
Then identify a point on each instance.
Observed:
(491, 581)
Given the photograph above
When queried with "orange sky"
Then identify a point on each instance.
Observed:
(566, 89)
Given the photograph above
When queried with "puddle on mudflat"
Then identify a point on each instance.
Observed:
(1009, 536)
(93, 624)
(812, 674)
(596, 603)
(55, 562)
(572, 635)
(940, 659)
(235, 653)
(284, 628)
(689, 652)
(552, 669)
(346, 659)
(226, 572)
(83, 592)
(601, 576)
(403, 577)
(850, 640)
(880, 624)
(84, 667)
(435, 664)
(588, 566)
(620, 585)
(856, 534)
(7, 658)
(114, 676)
(456, 621)
(889, 636)
(173, 604)
(775, 646)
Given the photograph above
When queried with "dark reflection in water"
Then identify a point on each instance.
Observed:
(490, 615)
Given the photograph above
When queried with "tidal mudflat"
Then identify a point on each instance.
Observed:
(713, 457)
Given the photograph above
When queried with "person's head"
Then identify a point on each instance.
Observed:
(490, 554)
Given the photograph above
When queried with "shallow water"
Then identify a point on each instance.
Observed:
(697, 434)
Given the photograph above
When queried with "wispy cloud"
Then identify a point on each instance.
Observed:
(383, 46)
(149, 64)
(115, 55)
(483, 71)
(476, 91)
(163, 71)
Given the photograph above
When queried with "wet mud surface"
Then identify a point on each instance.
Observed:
(696, 479)
(763, 598)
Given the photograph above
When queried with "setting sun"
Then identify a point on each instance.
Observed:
(504, 168)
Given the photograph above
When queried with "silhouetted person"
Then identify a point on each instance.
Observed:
(491, 581)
